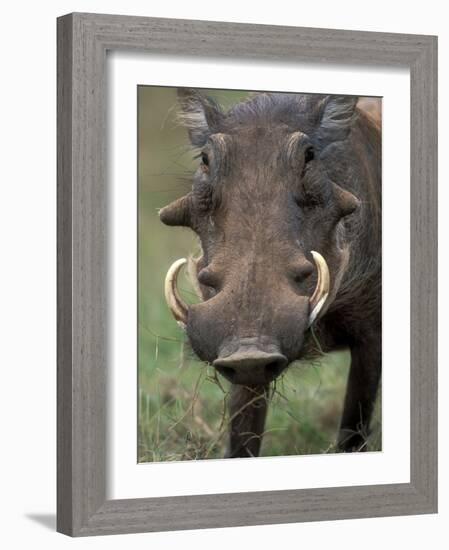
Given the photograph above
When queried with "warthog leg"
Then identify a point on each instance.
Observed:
(361, 392)
(247, 411)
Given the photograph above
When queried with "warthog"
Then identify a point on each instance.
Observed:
(286, 202)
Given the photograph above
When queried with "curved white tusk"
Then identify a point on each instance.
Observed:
(193, 275)
(174, 301)
(322, 288)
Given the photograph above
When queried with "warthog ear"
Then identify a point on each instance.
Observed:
(201, 115)
(178, 212)
(336, 115)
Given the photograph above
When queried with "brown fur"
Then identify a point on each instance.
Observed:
(282, 175)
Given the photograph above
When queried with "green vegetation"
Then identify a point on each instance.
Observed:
(182, 403)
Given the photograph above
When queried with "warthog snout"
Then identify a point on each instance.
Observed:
(250, 365)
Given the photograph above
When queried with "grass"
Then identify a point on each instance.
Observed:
(182, 403)
(183, 416)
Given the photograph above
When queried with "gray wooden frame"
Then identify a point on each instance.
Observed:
(83, 40)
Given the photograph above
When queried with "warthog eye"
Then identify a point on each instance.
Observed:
(309, 154)
(204, 163)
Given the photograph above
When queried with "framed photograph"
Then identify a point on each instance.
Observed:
(247, 274)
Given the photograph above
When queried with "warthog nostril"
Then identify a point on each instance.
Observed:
(251, 366)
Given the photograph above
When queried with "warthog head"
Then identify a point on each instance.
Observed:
(267, 213)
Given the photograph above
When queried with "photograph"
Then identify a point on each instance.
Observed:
(247, 244)
(259, 273)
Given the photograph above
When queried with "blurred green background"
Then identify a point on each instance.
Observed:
(182, 403)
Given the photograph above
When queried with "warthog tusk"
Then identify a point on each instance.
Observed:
(174, 301)
(321, 292)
